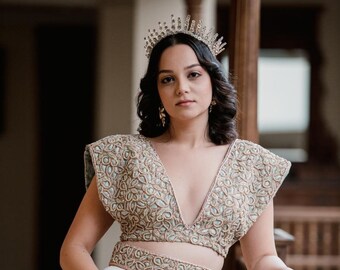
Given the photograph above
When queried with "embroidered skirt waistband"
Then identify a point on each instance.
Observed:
(134, 258)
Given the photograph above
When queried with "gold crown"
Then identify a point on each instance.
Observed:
(209, 38)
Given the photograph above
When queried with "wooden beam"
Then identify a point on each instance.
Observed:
(244, 46)
(193, 8)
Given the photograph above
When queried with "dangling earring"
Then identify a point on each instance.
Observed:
(213, 103)
(162, 115)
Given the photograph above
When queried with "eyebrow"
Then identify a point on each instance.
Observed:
(170, 71)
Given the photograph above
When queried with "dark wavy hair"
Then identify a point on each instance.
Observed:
(222, 118)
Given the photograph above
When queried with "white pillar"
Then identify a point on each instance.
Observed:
(114, 72)
(113, 92)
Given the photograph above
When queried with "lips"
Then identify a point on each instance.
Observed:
(185, 102)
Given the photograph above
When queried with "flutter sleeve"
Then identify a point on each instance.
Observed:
(269, 171)
(263, 174)
(105, 159)
(99, 159)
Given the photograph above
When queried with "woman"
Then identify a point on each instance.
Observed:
(185, 188)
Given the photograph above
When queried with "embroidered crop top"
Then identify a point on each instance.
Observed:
(135, 189)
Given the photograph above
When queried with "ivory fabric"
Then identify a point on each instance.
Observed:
(135, 189)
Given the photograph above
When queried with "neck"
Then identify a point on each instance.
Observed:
(192, 136)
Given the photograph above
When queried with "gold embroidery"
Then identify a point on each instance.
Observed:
(136, 191)
(139, 259)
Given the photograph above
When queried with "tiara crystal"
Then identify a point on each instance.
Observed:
(189, 27)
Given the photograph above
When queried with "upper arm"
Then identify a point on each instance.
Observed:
(259, 240)
(90, 222)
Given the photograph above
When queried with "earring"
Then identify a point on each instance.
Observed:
(213, 103)
(162, 115)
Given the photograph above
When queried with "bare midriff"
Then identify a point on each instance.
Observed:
(201, 256)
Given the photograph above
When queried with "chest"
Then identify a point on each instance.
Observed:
(192, 174)
(191, 170)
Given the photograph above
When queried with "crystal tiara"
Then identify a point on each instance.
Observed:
(209, 38)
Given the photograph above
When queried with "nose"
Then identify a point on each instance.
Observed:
(182, 87)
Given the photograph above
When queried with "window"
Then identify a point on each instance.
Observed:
(283, 102)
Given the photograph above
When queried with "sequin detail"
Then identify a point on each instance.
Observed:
(134, 258)
(134, 188)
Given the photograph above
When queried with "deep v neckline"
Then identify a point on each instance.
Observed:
(212, 185)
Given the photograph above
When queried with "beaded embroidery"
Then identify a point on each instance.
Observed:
(139, 259)
(135, 189)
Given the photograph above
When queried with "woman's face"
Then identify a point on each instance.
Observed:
(184, 86)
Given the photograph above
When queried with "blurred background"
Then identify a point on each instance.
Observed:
(69, 74)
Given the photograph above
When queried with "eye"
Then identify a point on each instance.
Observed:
(166, 80)
(194, 74)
